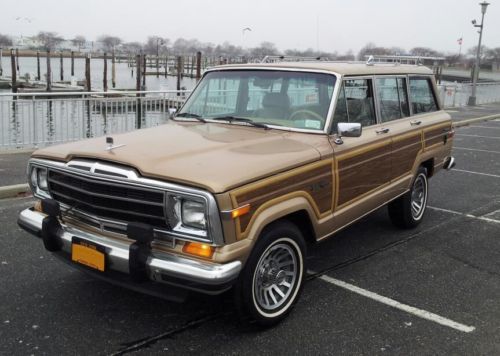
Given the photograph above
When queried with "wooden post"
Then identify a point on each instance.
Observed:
(88, 83)
(105, 73)
(113, 70)
(17, 59)
(166, 65)
(144, 65)
(138, 108)
(49, 72)
(38, 74)
(62, 66)
(157, 65)
(179, 73)
(13, 69)
(1, 56)
(192, 66)
(198, 66)
(72, 63)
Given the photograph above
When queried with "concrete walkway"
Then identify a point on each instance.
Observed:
(13, 163)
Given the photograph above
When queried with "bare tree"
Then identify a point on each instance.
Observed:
(372, 49)
(132, 47)
(156, 44)
(493, 54)
(79, 41)
(425, 52)
(472, 52)
(265, 49)
(109, 42)
(5, 40)
(49, 40)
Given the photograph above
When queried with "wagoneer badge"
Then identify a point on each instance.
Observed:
(109, 141)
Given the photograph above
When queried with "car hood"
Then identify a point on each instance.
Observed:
(212, 156)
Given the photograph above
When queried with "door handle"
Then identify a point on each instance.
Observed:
(415, 122)
(382, 131)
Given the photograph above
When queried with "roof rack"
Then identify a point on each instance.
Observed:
(397, 60)
(273, 59)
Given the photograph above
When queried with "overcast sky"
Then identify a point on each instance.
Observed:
(331, 25)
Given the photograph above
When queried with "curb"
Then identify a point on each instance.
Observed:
(13, 191)
(16, 151)
(477, 119)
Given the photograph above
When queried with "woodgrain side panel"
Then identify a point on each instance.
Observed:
(405, 150)
(435, 135)
(315, 180)
(361, 173)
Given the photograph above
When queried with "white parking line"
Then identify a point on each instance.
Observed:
(464, 214)
(471, 172)
(473, 149)
(485, 127)
(395, 304)
(493, 137)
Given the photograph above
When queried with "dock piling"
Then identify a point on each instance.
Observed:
(17, 59)
(198, 66)
(13, 69)
(49, 72)
(113, 70)
(1, 56)
(179, 73)
(38, 74)
(62, 66)
(105, 73)
(138, 88)
(88, 84)
(72, 63)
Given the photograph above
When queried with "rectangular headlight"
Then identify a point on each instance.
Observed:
(193, 214)
(38, 181)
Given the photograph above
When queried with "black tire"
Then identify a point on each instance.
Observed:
(401, 212)
(262, 274)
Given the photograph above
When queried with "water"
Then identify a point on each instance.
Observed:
(124, 77)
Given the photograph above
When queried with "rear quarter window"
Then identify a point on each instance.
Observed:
(422, 96)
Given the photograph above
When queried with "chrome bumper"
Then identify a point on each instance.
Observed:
(160, 267)
(449, 163)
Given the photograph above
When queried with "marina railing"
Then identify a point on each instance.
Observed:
(30, 120)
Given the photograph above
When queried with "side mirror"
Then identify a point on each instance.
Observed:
(171, 112)
(349, 129)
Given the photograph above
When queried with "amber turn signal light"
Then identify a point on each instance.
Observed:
(240, 211)
(198, 249)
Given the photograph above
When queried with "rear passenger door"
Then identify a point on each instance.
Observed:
(406, 105)
(362, 164)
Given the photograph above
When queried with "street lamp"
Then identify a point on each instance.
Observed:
(475, 74)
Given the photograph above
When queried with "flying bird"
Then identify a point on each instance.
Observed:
(246, 29)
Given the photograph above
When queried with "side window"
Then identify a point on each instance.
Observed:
(421, 95)
(359, 101)
(392, 98)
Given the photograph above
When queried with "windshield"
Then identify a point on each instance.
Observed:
(290, 99)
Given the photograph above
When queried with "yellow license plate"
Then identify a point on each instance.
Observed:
(88, 254)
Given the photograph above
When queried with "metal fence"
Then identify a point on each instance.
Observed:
(457, 94)
(40, 119)
(30, 120)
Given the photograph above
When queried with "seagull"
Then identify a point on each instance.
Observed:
(246, 29)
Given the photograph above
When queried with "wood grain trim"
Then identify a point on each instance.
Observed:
(314, 182)
(433, 135)
(405, 150)
(353, 184)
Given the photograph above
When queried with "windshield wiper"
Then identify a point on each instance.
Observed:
(190, 115)
(231, 118)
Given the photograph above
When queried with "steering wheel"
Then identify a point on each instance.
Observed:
(308, 112)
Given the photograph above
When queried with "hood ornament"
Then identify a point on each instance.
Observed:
(109, 141)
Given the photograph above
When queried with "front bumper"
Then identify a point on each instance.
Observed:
(160, 268)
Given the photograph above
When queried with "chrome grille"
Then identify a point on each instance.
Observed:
(109, 200)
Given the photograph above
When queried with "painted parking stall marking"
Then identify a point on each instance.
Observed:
(482, 218)
(424, 314)
(479, 173)
(474, 149)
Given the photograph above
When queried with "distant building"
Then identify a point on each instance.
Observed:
(26, 42)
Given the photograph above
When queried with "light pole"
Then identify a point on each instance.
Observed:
(475, 75)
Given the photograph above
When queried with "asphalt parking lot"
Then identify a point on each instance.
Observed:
(372, 289)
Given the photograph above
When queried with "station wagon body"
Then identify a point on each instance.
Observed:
(261, 160)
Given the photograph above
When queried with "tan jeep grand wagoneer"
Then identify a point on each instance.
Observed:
(261, 160)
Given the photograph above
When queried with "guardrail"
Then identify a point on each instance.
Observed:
(40, 119)
(457, 94)
(30, 120)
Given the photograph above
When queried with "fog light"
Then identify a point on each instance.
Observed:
(198, 249)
